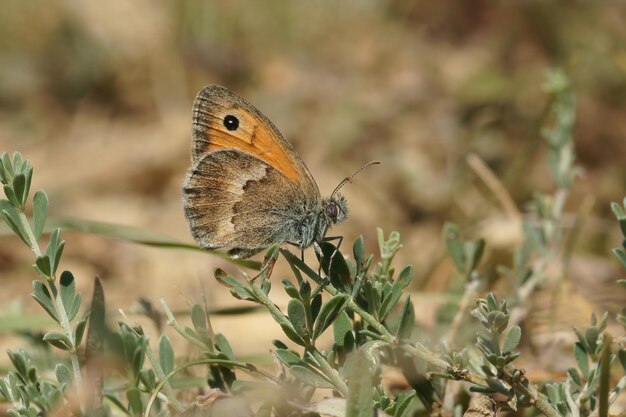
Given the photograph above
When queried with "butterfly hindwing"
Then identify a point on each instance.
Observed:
(234, 199)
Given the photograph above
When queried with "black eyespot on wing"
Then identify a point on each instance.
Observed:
(231, 122)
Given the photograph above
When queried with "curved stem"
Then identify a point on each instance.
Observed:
(251, 369)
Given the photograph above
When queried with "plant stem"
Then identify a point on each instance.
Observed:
(330, 372)
(471, 290)
(64, 320)
(207, 361)
(156, 366)
(539, 402)
(171, 320)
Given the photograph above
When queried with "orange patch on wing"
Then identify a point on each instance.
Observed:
(256, 140)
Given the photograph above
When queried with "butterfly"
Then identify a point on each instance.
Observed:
(247, 188)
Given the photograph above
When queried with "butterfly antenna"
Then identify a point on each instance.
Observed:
(348, 179)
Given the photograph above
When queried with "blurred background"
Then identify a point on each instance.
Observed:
(98, 96)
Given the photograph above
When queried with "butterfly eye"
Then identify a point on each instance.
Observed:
(331, 210)
(231, 122)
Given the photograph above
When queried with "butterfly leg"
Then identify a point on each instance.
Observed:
(339, 239)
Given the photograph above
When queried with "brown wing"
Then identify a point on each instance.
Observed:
(233, 199)
(253, 134)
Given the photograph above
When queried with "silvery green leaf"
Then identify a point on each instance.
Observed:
(618, 211)
(512, 339)
(289, 357)
(134, 401)
(395, 292)
(358, 250)
(19, 188)
(328, 313)
(67, 288)
(236, 288)
(79, 331)
(297, 316)
(407, 320)
(63, 374)
(166, 354)
(198, 317)
(59, 340)
(341, 328)
(290, 289)
(43, 298)
(11, 218)
(310, 377)
(40, 211)
(581, 358)
(222, 344)
(43, 264)
(360, 402)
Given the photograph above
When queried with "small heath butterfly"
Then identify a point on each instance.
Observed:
(247, 188)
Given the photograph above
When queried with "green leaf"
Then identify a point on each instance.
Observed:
(339, 271)
(310, 377)
(392, 298)
(20, 361)
(358, 249)
(19, 187)
(53, 244)
(305, 290)
(573, 373)
(11, 218)
(58, 340)
(222, 344)
(294, 261)
(289, 357)
(166, 354)
(97, 328)
(407, 320)
(341, 328)
(79, 331)
(134, 401)
(236, 287)
(11, 196)
(360, 386)
(512, 339)
(290, 289)
(71, 300)
(63, 374)
(328, 313)
(474, 252)
(6, 170)
(297, 317)
(43, 266)
(41, 294)
(198, 318)
(581, 358)
(28, 173)
(40, 211)
(316, 306)
(618, 211)
(17, 162)
(148, 377)
(403, 403)
(138, 358)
